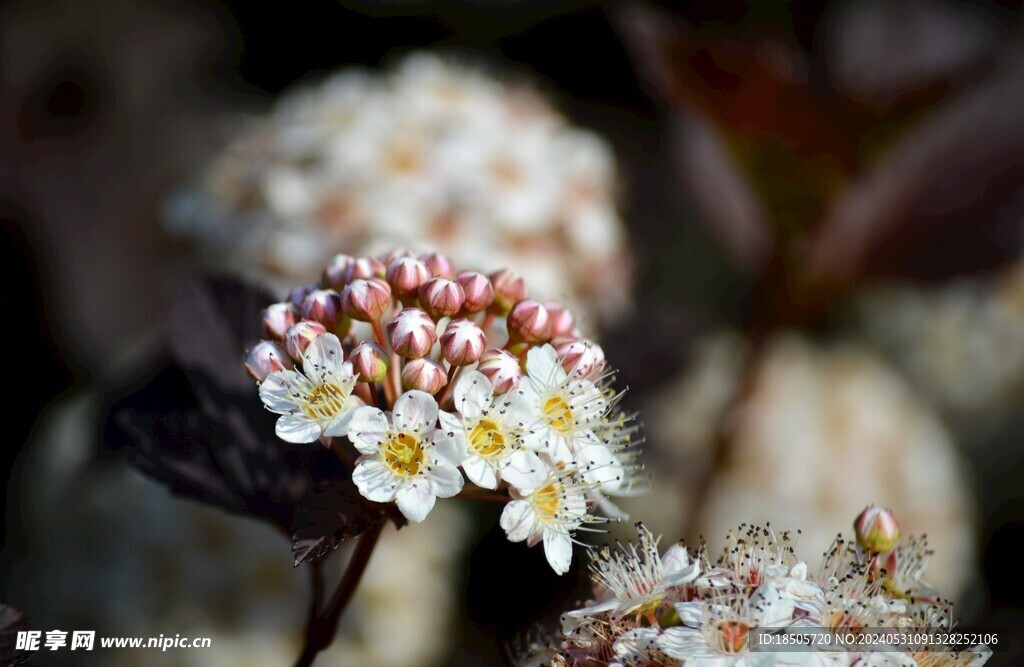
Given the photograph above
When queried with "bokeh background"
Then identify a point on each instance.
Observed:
(821, 256)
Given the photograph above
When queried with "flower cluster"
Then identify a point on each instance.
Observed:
(431, 152)
(425, 370)
(678, 608)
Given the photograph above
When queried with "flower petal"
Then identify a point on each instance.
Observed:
(524, 470)
(339, 425)
(558, 549)
(480, 472)
(374, 481)
(415, 500)
(543, 367)
(473, 394)
(279, 389)
(297, 428)
(368, 429)
(323, 359)
(518, 520)
(450, 439)
(445, 479)
(415, 411)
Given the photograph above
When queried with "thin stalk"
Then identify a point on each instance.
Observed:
(321, 630)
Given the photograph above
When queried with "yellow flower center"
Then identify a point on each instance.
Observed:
(545, 501)
(324, 402)
(558, 413)
(403, 454)
(487, 439)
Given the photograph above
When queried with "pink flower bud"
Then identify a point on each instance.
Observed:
(412, 333)
(298, 294)
(334, 273)
(366, 300)
(478, 290)
(277, 317)
(406, 275)
(501, 368)
(462, 343)
(365, 268)
(424, 374)
(877, 529)
(509, 288)
(582, 358)
(439, 265)
(529, 322)
(300, 335)
(563, 324)
(396, 253)
(441, 297)
(369, 361)
(324, 306)
(266, 357)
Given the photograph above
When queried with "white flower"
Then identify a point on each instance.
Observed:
(318, 401)
(485, 439)
(400, 461)
(634, 580)
(558, 412)
(637, 647)
(550, 513)
(718, 634)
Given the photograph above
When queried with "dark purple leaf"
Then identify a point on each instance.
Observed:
(197, 426)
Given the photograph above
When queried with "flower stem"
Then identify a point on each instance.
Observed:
(453, 375)
(323, 625)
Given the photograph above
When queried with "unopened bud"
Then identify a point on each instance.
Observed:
(365, 268)
(266, 357)
(277, 318)
(366, 300)
(441, 297)
(424, 374)
(324, 306)
(581, 358)
(412, 333)
(334, 273)
(298, 294)
(396, 253)
(501, 368)
(369, 361)
(439, 265)
(462, 343)
(529, 322)
(478, 290)
(509, 288)
(300, 335)
(563, 323)
(877, 529)
(406, 275)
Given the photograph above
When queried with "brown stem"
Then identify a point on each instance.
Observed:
(323, 626)
(337, 448)
(453, 375)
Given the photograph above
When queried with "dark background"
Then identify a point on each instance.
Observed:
(106, 108)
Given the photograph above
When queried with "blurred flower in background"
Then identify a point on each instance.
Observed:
(436, 153)
(811, 433)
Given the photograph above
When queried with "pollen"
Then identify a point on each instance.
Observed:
(403, 454)
(324, 402)
(487, 439)
(546, 501)
(559, 414)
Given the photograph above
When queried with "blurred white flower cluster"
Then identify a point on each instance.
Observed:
(812, 432)
(426, 370)
(961, 344)
(679, 608)
(431, 153)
